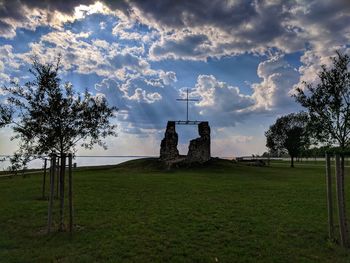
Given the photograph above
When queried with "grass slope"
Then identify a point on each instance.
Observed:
(139, 212)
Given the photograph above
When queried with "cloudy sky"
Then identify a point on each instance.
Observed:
(240, 58)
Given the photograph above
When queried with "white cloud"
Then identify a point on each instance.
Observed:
(168, 77)
(85, 57)
(100, 43)
(142, 96)
(8, 58)
(8, 62)
(273, 92)
(216, 96)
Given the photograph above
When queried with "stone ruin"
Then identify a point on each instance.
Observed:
(198, 150)
(168, 146)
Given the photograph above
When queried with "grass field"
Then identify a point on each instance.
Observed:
(137, 213)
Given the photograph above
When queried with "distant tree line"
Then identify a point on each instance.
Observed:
(312, 152)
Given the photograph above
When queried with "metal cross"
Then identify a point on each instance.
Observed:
(187, 100)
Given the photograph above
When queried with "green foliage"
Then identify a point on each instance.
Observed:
(328, 103)
(48, 116)
(289, 134)
(230, 212)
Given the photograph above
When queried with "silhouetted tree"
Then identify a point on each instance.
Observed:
(5, 115)
(328, 103)
(5, 118)
(289, 134)
(50, 117)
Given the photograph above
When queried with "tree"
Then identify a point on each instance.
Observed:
(5, 115)
(328, 103)
(5, 118)
(48, 117)
(289, 134)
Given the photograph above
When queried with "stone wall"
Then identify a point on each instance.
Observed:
(198, 150)
(168, 146)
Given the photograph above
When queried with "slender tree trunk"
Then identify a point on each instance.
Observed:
(342, 163)
(341, 201)
(62, 173)
(329, 197)
(44, 178)
(70, 193)
(292, 161)
(57, 176)
(52, 191)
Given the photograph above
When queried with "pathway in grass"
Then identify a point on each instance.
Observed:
(223, 212)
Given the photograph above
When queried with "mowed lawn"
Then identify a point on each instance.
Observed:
(137, 213)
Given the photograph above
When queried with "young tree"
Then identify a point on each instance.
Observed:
(328, 103)
(5, 115)
(289, 134)
(48, 117)
(5, 118)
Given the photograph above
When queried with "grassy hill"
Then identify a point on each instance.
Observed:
(141, 212)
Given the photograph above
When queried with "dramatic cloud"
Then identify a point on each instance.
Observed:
(274, 90)
(142, 55)
(83, 55)
(189, 47)
(142, 105)
(219, 96)
(8, 63)
(31, 14)
(197, 30)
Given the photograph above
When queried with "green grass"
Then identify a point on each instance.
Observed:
(139, 212)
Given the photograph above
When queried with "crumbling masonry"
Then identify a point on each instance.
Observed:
(198, 150)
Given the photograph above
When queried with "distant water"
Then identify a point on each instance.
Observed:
(81, 161)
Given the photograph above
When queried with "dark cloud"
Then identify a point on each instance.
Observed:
(181, 48)
(236, 26)
(14, 13)
(14, 8)
(183, 13)
(5, 28)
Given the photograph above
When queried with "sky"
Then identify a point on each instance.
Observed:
(241, 59)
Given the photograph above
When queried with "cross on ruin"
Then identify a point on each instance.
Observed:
(187, 120)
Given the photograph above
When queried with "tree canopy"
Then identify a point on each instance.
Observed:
(328, 103)
(289, 135)
(50, 117)
(5, 115)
